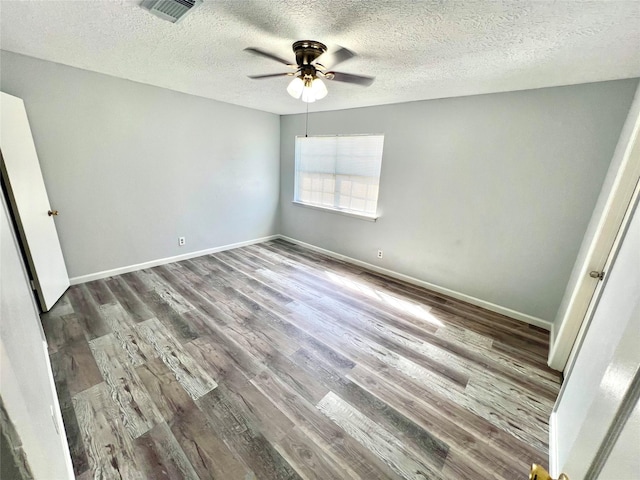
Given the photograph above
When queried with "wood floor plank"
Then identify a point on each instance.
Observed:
(207, 452)
(275, 424)
(478, 322)
(161, 456)
(240, 276)
(464, 357)
(136, 408)
(412, 435)
(239, 430)
(459, 464)
(227, 360)
(173, 320)
(369, 352)
(100, 292)
(136, 282)
(75, 365)
(206, 352)
(240, 314)
(464, 336)
(199, 292)
(169, 396)
(109, 448)
(147, 279)
(235, 374)
(246, 312)
(355, 295)
(166, 291)
(376, 356)
(234, 371)
(358, 457)
(387, 447)
(311, 461)
(86, 309)
(61, 307)
(420, 323)
(454, 363)
(482, 426)
(133, 349)
(475, 436)
(72, 428)
(187, 372)
(435, 359)
(62, 330)
(129, 299)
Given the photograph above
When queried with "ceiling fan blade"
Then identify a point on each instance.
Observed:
(262, 53)
(350, 78)
(271, 75)
(334, 58)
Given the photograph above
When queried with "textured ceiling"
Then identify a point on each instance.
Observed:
(416, 49)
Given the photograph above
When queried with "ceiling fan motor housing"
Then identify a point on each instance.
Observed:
(307, 51)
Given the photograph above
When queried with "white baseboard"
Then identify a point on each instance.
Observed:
(531, 320)
(163, 261)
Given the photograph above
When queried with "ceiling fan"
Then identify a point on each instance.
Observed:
(307, 83)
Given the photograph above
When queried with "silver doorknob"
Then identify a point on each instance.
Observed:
(52, 213)
(596, 274)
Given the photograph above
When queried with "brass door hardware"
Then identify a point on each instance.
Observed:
(596, 274)
(539, 473)
(52, 213)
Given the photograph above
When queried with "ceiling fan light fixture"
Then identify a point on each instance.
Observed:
(296, 87)
(306, 85)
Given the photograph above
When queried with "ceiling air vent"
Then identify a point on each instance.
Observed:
(170, 10)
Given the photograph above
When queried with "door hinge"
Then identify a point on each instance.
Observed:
(33, 285)
(596, 274)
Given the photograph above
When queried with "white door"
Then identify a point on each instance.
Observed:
(594, 414)
(30, 203)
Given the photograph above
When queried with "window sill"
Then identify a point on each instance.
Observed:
(361, 216)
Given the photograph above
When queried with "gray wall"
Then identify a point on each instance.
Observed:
(488, 195)
(598, 211)
(131, 167)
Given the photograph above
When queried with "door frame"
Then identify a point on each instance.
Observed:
(568, 331)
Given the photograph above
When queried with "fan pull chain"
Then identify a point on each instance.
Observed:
(306, 124)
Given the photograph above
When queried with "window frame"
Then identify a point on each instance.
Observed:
(336, 209)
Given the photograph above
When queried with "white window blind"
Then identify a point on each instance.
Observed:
(339, 172)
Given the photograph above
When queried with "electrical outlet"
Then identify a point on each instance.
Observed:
(181, 241)
(379, 253)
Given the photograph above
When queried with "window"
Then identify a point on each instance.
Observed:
(339, 172)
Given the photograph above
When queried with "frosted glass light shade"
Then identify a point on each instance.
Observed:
(295, 87)
(308, 95)
(319, 89)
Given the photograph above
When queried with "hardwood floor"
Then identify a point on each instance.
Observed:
(275, 362)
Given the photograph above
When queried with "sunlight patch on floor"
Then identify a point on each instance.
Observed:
(416, 310)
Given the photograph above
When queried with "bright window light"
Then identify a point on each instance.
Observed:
(339, 172)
